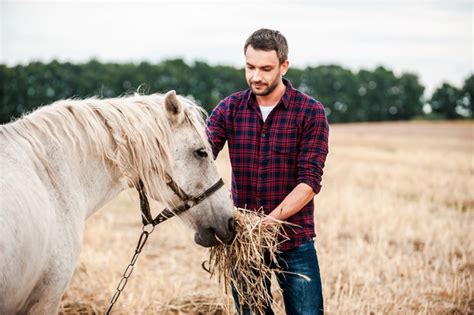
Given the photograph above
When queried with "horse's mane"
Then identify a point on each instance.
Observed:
(131, 132)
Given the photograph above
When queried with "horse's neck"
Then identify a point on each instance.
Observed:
(83, 180)
(100, 183)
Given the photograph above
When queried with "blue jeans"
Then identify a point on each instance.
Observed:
(300, 295)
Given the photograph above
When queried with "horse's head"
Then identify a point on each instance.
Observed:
(194, 171)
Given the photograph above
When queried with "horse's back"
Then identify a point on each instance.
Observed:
(25, 221)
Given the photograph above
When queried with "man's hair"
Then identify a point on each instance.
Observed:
(267, 40)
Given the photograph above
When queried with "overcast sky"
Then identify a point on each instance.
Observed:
(431, 38)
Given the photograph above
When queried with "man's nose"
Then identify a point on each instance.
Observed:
(257, 76)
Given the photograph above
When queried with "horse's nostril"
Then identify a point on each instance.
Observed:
(231, 225)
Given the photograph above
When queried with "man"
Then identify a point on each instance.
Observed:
(278, 142)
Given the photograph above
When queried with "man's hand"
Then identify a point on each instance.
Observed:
(268, 219)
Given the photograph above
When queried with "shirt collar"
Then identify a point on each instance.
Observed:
(285, 99)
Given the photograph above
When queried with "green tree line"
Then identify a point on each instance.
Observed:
(366, 95)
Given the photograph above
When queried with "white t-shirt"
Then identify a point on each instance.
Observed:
(266, 111)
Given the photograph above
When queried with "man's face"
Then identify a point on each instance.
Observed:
(263, 70)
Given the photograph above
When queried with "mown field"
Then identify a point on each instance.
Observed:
(394, 222)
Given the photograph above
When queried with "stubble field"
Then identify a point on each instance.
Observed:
(394, 222)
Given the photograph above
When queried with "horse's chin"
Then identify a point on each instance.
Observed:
(206, 239)
(209, 236)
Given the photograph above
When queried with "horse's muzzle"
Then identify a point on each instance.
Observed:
(208, 237)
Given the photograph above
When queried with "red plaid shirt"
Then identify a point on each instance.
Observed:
(270, 158)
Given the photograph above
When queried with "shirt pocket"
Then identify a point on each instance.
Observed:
(284, 140)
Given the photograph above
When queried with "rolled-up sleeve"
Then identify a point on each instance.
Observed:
(313, 147)
(216, 128)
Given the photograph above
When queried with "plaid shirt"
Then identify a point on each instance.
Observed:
(270, 158)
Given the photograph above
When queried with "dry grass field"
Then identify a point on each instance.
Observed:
(394, 222)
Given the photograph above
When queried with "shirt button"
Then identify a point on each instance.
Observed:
(264, 135)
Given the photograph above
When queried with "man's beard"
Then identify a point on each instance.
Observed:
(266, 91)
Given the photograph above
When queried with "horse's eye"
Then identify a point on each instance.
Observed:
(201, 153)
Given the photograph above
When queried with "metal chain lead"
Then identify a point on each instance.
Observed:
(188, 202)
(128, 271)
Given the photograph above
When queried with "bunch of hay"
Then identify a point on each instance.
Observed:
(242, 264)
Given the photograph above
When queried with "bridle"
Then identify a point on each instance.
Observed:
(187, 203)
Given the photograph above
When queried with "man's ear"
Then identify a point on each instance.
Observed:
(284, 67)
(174, 108)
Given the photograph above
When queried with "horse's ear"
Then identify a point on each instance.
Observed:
(174, 108)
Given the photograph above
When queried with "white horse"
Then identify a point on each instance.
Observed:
(64, 161)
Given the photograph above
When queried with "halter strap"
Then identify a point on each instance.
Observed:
(176, 189)
(188, 202)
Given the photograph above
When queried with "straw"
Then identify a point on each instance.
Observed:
(248, 263)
